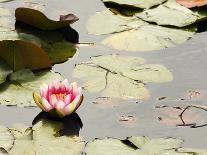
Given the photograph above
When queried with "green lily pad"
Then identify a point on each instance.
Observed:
(120, 76)
(190, 150)
(141, 146)
(19, 53)
(138, 35)
(106, 22)
(41, 21)
(43, 140)
(137, 3)
(48, 47)
(108, 146)
(6, 138)
(61, 51)
(17, 91)
(4, 17)
(170, 13)
(147, 38)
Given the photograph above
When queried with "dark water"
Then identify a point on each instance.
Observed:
(187, 62)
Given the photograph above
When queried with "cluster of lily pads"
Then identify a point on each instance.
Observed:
(29, 48)
(145, 25)
(45, 137)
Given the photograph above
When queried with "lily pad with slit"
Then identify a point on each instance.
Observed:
(19, 87)
(120, 76)
(139, 146)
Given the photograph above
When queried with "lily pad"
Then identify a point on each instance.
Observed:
(44, 140)
(141, 146)
(144, 4)
(41, 21)
(120, 76)
(192, 3)
(106, 22)
(4, 17)
(138, 35)
(170, 13)
(18, 90)
(19, 53)
(147, 38)
(6, 138)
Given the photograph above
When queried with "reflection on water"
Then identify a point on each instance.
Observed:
(71, 124)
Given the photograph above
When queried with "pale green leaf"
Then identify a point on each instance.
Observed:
(108, 146)
(169, 13)
(147, 38)
(46, 141)
(18, 91)
(6, 138)
(120, 76)
(106, 22)
(137, 3)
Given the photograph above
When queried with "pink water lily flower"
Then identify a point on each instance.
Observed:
(59, 98)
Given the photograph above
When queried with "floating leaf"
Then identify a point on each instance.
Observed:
(44, 140)
(172, 116)
(4, 17)
(5, 70)
(192, 3)
(60, 51)
(138, 35)
(147, 38)
(6, 138)
(190, 150)
(18, 91)
(108, 146)
(170, 13)
(139, 146)
(106, 22)
(137, 3)
(19, 53)
(120, 76)
(39, 20)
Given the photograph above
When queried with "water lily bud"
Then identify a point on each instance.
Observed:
(59, 98)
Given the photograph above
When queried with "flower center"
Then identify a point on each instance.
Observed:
(60, 96)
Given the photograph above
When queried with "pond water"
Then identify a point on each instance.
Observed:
(187, 62)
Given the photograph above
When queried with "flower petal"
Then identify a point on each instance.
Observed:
(68, 99)
(44, 90)
(73, 106)
(46, 105)
(60, 105)
(53, 100)
(38, 100)
(74, 90)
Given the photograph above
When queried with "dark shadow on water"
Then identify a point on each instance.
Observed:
(69, 34)
(71, 124)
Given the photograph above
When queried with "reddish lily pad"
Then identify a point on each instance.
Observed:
(192, 3)
(41, 21)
